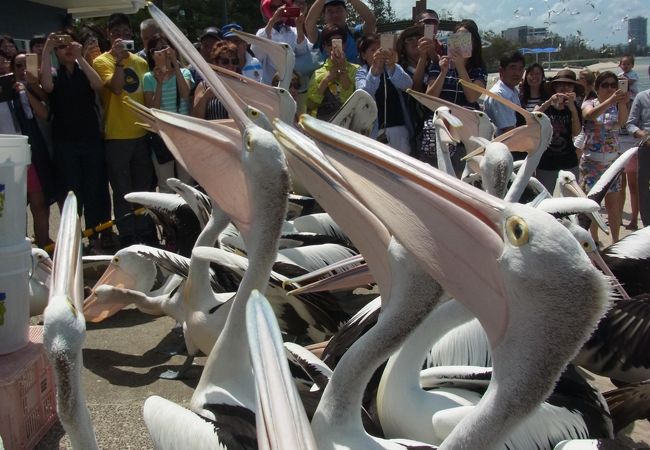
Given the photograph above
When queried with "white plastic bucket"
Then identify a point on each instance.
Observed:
(15, 264)
(15, 156)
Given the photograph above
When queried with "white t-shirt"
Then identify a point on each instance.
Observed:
(500, 114)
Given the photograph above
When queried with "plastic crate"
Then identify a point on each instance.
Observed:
(27, 394)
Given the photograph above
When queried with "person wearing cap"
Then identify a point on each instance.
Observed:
(128, 156)
(332, 84)
(280, 28)
(209, 37)
(334, 12)
(566, 118)
(249, 65)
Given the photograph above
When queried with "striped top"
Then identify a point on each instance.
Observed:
(169, 91)
(214, 109)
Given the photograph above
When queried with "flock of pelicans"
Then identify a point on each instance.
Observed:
(486, 303)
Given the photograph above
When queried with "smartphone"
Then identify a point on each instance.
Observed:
(31, 60)
(160, 59)
(387, 41)
(291, 11)
(622, 84)
(428, 30)
(63, 39)
(337, 44)
(129, 44)
(7, 91)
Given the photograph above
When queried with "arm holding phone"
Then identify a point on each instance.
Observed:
(120, 53)
(93, 78)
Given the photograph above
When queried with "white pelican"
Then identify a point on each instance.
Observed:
(533, 327)
(39, 281)
(251, 165)
(64, 330)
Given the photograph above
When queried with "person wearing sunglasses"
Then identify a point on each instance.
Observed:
(43, 188)
(206, 104)
(166, 86)
(603, 117)
(79, 153)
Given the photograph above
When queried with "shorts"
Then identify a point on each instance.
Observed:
(33, 182)
(590, 172)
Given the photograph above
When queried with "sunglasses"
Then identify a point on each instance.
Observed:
(613, 84)
(227, 61)
(430, 22)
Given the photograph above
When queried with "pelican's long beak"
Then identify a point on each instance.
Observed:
(311, 168)
(454, 229)
(66, 253)
(573, 189)
(338, 266)
(94, 311)
(450, 125)
(595, 257)
(280, 54)
(281, 421)
(192, 55)
(350, 279)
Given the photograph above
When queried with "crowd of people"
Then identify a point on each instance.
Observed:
(84, 137)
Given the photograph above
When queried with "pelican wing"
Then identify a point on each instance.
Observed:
(358, 113)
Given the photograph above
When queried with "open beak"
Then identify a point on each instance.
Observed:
(450, 125)
(454, 229)
(312, 169)
(94, 311)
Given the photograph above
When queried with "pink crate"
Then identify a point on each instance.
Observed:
(27, 394)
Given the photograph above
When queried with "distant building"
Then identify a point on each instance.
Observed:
(637, 34)
(524, 35)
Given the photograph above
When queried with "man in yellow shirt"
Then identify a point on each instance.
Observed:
(128, 155)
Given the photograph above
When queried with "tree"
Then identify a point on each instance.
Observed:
(381, 8)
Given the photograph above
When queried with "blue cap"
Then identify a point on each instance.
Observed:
(227, 30)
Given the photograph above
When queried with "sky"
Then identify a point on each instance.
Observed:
(600, 21)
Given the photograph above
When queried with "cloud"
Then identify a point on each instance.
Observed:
(601, 24)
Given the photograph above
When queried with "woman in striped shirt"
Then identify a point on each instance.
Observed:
(167, 87)
(206, 104)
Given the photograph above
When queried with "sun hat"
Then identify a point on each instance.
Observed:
(567, 76)
(227, 30)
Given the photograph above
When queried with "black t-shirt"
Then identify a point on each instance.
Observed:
(390, 97)
(561, 153)
(74, 112)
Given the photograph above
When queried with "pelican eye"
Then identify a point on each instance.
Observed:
(517, 230)
(249, 143)
(116, 259)
(254, 113)
(586, 245)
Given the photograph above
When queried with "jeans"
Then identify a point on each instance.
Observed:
(130, 169)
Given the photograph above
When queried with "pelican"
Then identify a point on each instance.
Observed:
(532, 138)
(569, 188)
(179, 223)
(252, 165)
(475, 123)
(628, 260)
(64, 330)
(533, 327)
(197, 200)
(39, 281)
